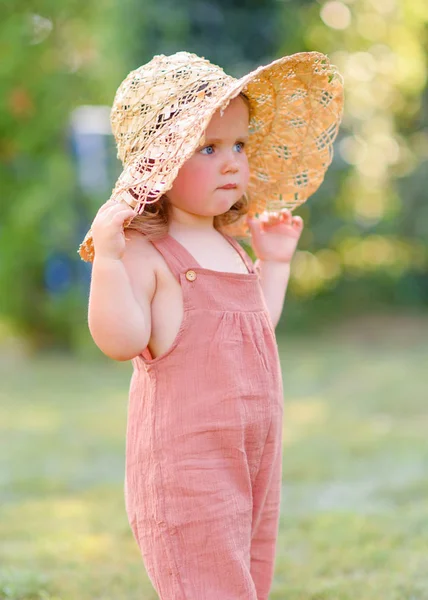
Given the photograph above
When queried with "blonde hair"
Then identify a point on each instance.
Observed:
(154, 220)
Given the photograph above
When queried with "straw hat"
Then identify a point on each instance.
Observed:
(162, 109)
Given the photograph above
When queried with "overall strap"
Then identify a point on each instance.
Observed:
(178, 259)
(245, 257)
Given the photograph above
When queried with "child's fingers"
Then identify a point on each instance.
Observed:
(120, 216)
(282, 216)
(106, 206)
(128, 221)
(285, 215)
(112, 206)
(117, 209)
(272, 218)
(297, 222)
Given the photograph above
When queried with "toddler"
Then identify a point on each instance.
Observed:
(207, 159)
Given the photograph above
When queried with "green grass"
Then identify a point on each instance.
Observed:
(354, 523)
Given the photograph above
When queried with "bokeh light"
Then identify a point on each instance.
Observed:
(336, 15)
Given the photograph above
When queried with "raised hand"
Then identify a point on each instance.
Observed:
(108, 229)
(275, 235)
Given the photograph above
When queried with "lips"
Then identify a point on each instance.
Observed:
(229, 186)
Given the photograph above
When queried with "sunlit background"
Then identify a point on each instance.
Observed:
(353, 335)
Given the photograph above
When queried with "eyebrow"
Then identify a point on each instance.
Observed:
(243, 138)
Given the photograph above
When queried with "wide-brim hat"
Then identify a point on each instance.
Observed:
(162, 109)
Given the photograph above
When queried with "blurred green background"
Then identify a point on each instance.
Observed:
(353, 336)
(365, 243)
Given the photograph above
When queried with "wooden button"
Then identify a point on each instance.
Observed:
(190, 275)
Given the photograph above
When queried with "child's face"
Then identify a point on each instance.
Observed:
(220, 161)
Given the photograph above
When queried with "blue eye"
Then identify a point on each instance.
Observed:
(208, 150)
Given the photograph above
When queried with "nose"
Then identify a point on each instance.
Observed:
(230, 163)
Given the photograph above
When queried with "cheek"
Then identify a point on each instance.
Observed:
(245, 172)
(191, 179)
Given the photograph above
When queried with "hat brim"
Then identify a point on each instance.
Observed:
(296, 106)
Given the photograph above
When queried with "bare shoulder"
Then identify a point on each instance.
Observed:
(138, 242)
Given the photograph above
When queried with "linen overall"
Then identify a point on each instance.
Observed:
(204, 440)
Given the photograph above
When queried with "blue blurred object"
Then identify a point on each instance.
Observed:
(97, 168)
(58, 273)
(90, 137)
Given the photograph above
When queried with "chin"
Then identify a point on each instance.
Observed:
(228, 203)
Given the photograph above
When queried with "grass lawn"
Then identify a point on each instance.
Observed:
(354, 522)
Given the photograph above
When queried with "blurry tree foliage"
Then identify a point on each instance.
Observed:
(365, 241)
(55, 57)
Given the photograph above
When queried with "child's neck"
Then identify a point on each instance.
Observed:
(191, 227)
(181, 221)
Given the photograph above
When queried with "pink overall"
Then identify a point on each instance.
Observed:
(204, 440)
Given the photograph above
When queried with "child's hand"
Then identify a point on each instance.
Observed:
(275, 235)
(107, 229)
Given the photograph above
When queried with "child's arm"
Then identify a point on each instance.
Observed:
(123, 284)
(119, 324)
(274, 278)
(274, 240)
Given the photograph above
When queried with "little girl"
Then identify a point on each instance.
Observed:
(182, 299)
